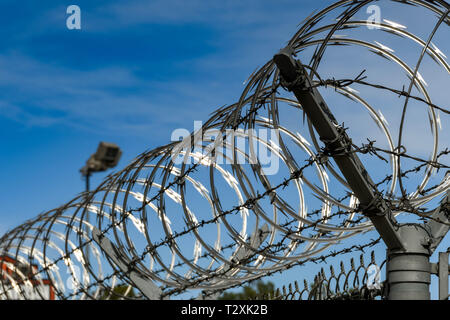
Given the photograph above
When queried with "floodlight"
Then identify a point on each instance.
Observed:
(107, 156)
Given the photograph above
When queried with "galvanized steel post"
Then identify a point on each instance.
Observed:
(409, 270)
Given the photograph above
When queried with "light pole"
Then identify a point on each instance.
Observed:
(107, 156)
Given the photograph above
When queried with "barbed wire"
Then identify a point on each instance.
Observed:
(318, 259)
(158, 194)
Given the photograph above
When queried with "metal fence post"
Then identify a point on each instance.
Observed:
(409, 245)
(409, 270)
(443, 275)
(338, 144)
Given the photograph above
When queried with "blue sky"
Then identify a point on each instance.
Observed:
(133, 73)
(136, 71)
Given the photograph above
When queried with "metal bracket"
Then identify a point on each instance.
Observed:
(336, 142)
(256, 239)
(437, 229)
(144, 284)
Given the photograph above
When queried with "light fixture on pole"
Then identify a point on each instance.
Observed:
(107, 156)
